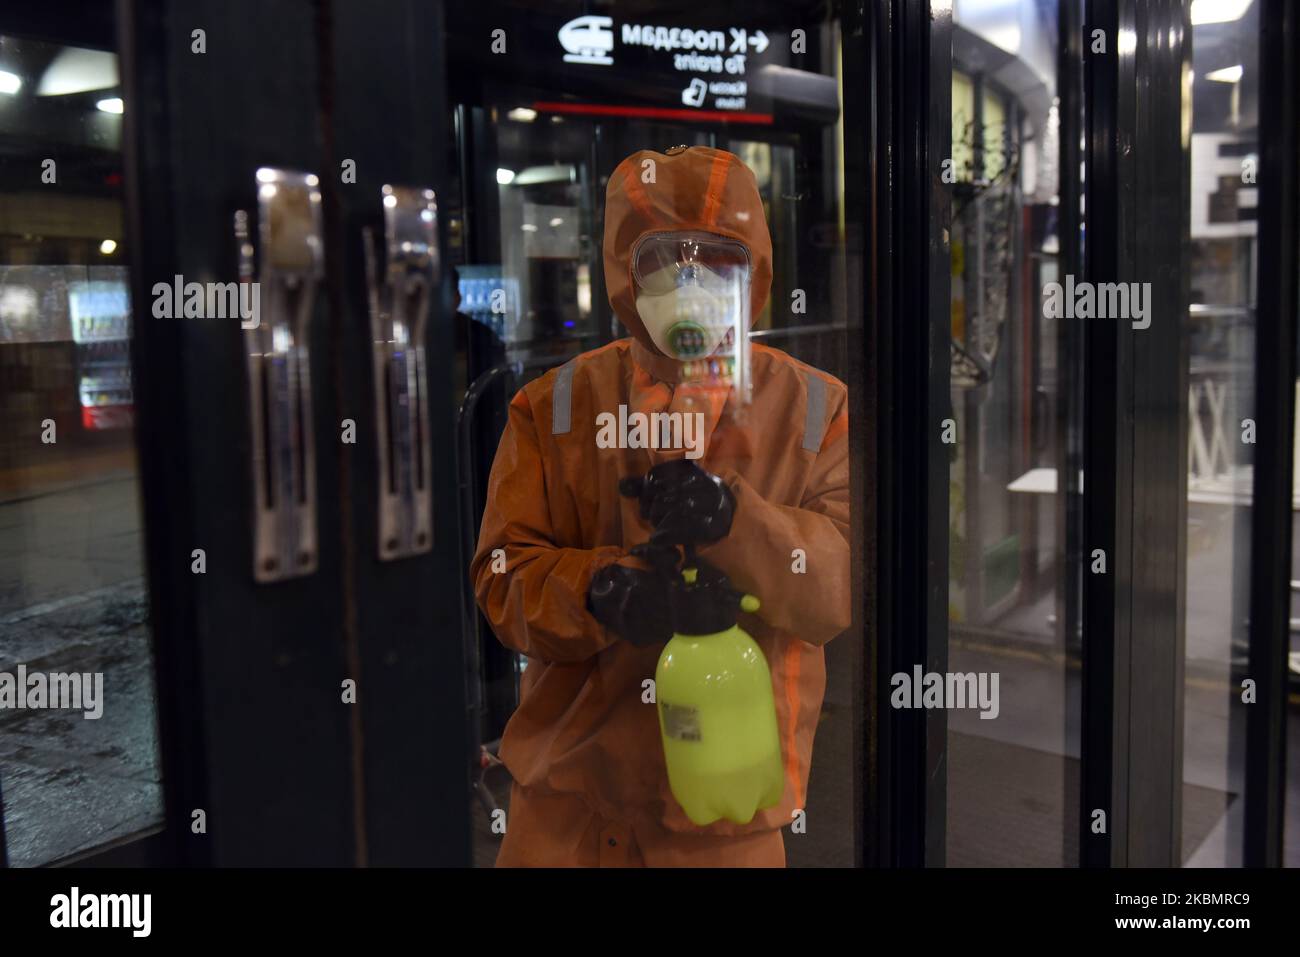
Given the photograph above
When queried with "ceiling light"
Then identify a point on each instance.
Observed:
(1229, 74)
(77, 70)
(1218, 11)
(108, 247)
(10, 83)
(505, 176)
(553, 173)
(112, 105)
(522, 114)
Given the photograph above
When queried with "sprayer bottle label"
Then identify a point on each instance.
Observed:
(680, 721)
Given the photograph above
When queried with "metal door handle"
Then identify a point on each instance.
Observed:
(278, 347)
(399, 307)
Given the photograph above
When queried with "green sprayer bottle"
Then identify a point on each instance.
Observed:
(716, 712)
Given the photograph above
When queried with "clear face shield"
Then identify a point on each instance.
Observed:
(693, 294)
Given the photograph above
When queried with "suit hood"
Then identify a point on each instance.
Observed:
(695, 188)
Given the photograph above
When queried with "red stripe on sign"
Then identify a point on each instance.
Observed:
(654, 112)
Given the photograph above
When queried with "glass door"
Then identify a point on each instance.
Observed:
(228, 589)
(79, 758)
(1116, 526)
(541, 134)
(1013, 767)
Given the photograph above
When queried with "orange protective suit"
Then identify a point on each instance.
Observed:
(583, 746)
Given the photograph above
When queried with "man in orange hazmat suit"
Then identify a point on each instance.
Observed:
(766, 480)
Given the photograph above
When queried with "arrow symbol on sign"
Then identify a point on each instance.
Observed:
(759, 41)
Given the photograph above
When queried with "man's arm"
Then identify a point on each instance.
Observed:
(759, 553)
(537, 604)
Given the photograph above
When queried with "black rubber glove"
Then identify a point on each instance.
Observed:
(632, 602)
(684, 503)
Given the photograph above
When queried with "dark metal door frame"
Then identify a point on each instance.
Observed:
(897, 82)
(1278, 306)
(1135, 449)
(383, 86)
(1135, 436)
(252, 725)
(1069, 418)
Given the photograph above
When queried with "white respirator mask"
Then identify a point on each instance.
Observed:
(691, 289)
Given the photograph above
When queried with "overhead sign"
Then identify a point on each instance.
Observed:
(712, 62)
(588, 40)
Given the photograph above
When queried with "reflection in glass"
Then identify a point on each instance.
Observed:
(1221, 360)
(1013, 774)
(534, 168)
(72, 596)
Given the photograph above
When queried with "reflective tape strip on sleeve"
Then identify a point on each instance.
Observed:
(814, 424)
(562, 400)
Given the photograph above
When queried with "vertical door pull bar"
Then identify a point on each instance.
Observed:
(289, 267)
(399, 306)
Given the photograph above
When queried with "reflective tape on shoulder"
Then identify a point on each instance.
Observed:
(562, 400)
(814, 423)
